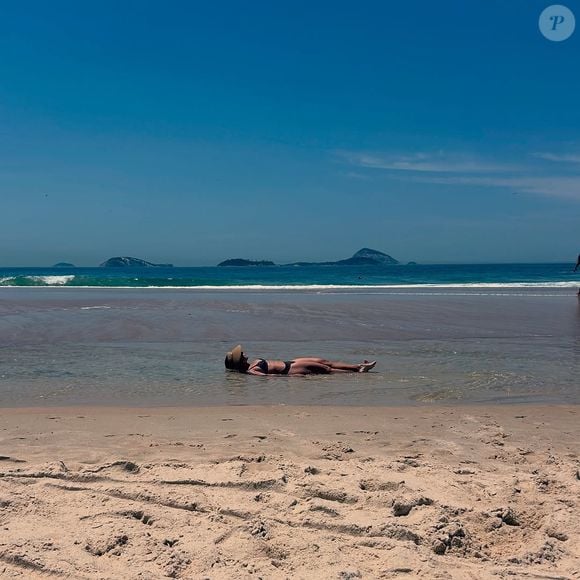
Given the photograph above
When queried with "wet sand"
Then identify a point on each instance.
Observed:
(290, 492)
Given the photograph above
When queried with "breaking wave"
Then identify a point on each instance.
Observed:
(36, 280)
(192, 283)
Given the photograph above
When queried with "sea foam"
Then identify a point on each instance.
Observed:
(52, 280)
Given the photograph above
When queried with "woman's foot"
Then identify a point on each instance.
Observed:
(366, 366)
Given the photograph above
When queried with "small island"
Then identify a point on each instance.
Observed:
(243, 262)
(64, 265)
(128, 262)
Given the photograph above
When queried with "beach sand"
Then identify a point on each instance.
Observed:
(290, 492)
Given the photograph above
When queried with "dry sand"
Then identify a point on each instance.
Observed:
(290, 492)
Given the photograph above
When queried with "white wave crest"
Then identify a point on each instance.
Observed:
(52, 280)
(300, 287)
(63, 280)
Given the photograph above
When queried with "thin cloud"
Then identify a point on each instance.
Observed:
(426, 163)
(464, 170)
(559, 157)
(562, 187)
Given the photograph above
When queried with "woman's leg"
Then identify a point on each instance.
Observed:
(337, 366)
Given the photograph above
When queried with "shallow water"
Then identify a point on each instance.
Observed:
(69, 346)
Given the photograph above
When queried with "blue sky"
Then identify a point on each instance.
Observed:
(191, 132)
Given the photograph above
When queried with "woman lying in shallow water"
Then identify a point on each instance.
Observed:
(236, 360)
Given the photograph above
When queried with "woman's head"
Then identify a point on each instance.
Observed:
(235, 359)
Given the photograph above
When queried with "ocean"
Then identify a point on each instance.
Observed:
(298, 277)
(441, 334)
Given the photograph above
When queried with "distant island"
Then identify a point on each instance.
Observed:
(242, 262)
(64, 265)
(128, 262)
(364, 257)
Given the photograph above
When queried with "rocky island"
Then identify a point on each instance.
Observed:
(243, 262)
(128, 262)
(364, 257)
